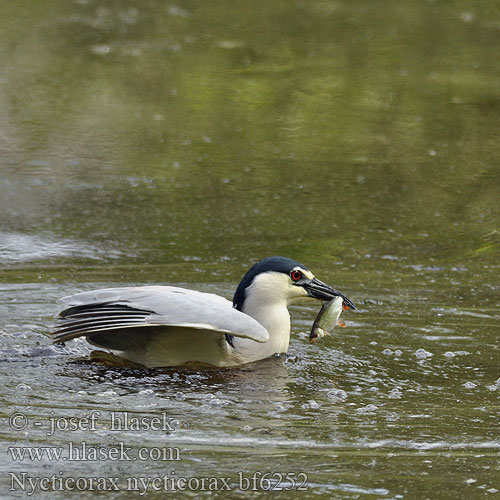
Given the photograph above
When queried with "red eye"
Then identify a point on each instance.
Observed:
(295, 275)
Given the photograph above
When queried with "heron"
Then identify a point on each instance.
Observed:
(162, 326)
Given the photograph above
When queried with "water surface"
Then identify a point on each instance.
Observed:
(152, 142)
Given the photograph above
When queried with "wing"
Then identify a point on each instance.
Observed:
(128, 312)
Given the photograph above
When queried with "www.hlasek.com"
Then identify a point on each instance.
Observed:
(85, 452)
(258, 481)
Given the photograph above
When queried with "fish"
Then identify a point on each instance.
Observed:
(327, 318)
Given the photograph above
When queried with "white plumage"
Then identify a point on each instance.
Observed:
(169, 326)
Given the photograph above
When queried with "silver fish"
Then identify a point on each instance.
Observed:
(326, 319)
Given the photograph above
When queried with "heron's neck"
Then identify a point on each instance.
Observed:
(273, 315)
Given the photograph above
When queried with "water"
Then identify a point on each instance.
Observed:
(179, 143)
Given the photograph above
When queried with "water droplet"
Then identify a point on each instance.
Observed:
(422, 354)
(107, 393)
(100, 49)
(337, 395)
(395, 393)
(467, 16)
(23, 387)
(392, 417)
(469, 385)
(369, 408)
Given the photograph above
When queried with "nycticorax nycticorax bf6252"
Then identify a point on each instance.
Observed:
(159, 326)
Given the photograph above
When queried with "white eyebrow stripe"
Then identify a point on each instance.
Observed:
(307, 274)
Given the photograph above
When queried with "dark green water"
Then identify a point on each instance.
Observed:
(156, 142)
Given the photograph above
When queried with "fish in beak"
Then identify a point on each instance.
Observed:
(327, 318)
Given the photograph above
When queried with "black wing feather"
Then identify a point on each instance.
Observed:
(85, 319)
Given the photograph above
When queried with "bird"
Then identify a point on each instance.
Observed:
(163, 326)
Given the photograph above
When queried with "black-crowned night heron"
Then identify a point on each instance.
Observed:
(159, 326)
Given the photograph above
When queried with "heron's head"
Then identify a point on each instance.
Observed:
(279, 279)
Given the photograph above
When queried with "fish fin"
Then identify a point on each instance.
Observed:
(341, 322)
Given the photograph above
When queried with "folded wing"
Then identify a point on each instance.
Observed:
(118, 317)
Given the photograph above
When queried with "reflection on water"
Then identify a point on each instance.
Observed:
(154, 143)
(18, 247)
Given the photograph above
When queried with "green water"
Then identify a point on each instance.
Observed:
(156, 142)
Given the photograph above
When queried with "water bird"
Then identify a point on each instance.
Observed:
(161, 326)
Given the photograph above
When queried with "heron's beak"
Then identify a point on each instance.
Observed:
(321, 291)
